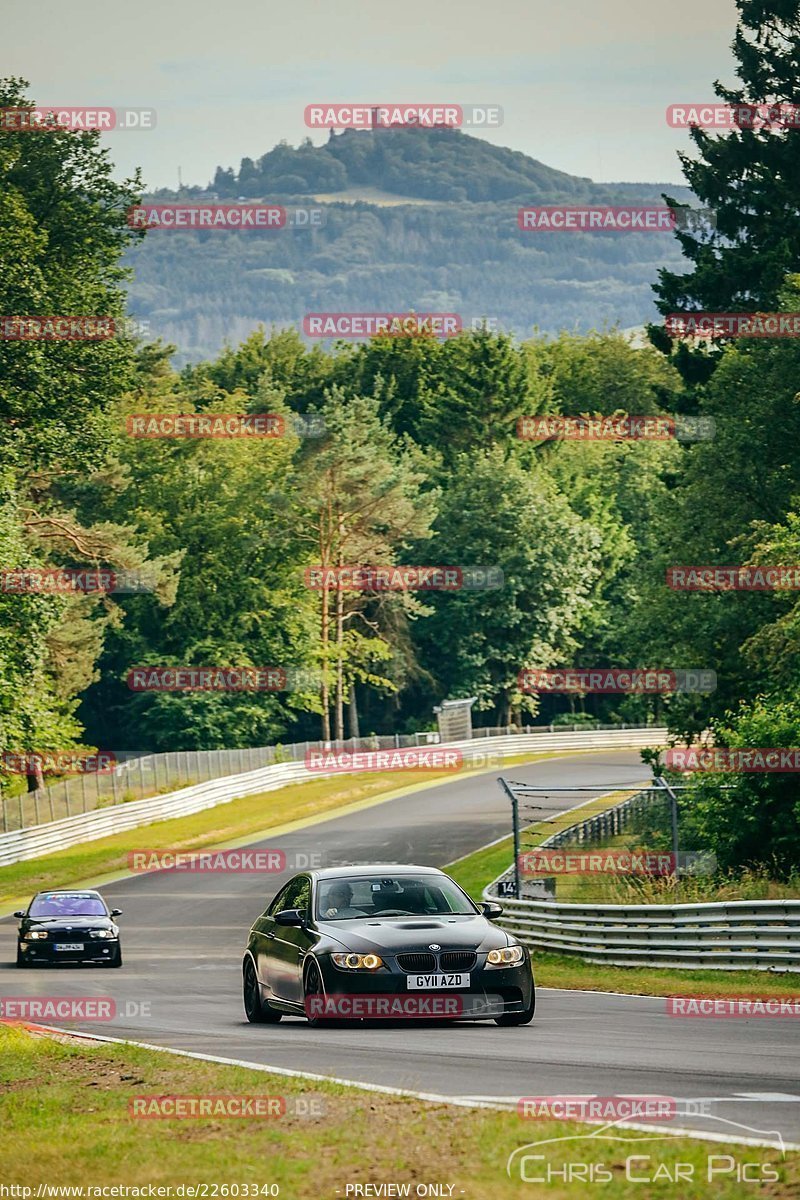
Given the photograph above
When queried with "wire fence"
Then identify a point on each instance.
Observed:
(644, 819)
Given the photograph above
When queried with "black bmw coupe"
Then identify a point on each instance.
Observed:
(380, 941)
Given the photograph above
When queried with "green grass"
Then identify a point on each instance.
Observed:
(653, 889)
(567, 971)
(64, 1111)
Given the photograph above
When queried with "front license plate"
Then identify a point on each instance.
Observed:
(434, 983)
(69, 945)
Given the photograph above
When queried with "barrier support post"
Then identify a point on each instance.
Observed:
(515, 825)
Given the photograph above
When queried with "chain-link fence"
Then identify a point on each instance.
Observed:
(640, 826)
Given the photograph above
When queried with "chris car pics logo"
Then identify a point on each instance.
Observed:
(614, 1151)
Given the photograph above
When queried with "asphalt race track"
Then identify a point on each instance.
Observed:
(183, 936)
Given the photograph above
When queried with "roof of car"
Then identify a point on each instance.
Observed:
(73, 891)
(372, 869)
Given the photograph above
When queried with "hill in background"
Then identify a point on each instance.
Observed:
(438, 231)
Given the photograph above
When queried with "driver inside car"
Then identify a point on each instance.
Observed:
(338, 900)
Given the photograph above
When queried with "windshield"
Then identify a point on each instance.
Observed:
(348, 899)
(71, 904)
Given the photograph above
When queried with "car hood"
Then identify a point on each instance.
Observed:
(399, 934)
(66, 924)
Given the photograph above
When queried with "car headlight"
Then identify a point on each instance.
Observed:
(358, 962)
(103, 933)
(509, 956)
(36, 935)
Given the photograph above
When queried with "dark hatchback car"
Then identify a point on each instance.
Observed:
(382, 941)
(68, 925)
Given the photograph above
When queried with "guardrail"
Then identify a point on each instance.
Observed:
(22, 844)
(138, 774)
(731, 935)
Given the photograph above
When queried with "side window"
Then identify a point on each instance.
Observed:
(279, 902)
(299, 894)
(296, 894)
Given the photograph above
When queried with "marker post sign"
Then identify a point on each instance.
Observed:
(455, 719)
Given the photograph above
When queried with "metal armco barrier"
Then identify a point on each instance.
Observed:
(731, 935)
(734, 935)
(22, 844)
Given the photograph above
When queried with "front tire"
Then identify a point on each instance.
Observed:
(312, 986)
(523, 1018)
(256, 1011)
(22, 961)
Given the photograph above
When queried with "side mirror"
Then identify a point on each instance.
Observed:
(116, 912)
(491, 909)
(19, 914)
(290, 916)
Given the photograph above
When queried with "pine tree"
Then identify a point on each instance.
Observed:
(750, 178)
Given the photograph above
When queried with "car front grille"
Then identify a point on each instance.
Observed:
(416, 962)
(457, 960)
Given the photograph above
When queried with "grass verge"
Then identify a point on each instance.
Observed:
(65, 1114)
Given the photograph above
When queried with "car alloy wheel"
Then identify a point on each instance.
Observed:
(256, 1011)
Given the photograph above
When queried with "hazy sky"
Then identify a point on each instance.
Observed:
(583, 83)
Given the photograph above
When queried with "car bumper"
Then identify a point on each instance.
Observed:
(94, 950)
(493, 991)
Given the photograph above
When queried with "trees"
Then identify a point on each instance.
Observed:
(362, 501)
(726, 504)
(221, 511)
(754, 820)
(495, 512)
(63, 231)
(749, 177)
